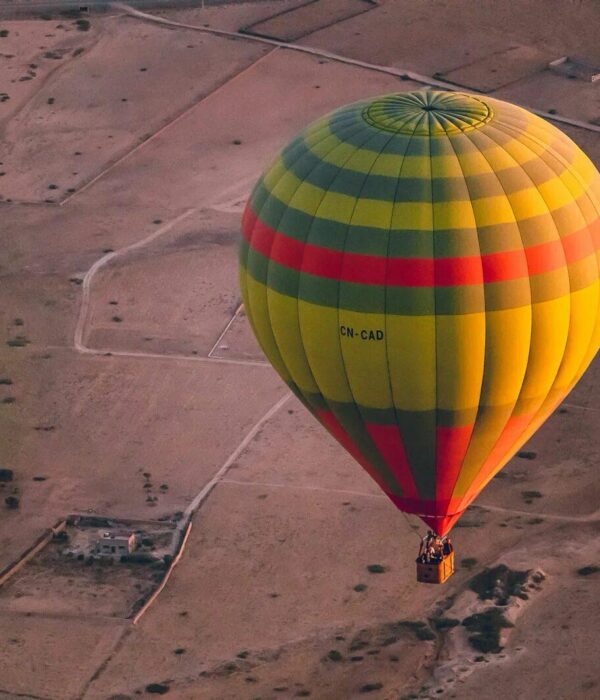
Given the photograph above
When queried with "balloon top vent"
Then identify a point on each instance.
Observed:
(428, 113)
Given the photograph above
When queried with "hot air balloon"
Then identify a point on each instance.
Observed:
(422, 270)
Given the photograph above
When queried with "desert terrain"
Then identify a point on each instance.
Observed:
(131, 385)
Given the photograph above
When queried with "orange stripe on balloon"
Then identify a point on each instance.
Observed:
(515, 426)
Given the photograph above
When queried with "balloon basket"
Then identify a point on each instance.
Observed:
(435, 572)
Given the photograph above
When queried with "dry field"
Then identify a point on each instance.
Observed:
(127, 149)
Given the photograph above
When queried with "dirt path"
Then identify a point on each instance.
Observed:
(78, 341)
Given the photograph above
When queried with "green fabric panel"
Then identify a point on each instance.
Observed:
(418, 435)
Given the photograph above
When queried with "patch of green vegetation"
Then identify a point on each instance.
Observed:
(376, 569)
(588, 570)
(3, 33)
(360, 587)
(485, 628)
(157, 688)
(18, 322)
(524, 454)
(334, 655)
(6, 381)
(117, 319)
(9, 399)
(242, 654)
(499, 583)
(83, 25)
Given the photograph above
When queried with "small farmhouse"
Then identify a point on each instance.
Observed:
(114, 544)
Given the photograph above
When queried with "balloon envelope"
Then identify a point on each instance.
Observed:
(422, 270)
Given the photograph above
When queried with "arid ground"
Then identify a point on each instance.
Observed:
(128, 144)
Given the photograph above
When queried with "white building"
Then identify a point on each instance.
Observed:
(114, 544)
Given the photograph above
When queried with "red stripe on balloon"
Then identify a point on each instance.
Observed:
(419, 272)
(439, 516)
(450, 449)
(329, 421)
(389, 444)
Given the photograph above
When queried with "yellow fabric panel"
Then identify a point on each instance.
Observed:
(488, 428)
(521, 150)
(561, 190)
(493, 210)
(324, 150)
(416, 166)
(283, 312)
(333, 206)
(550, 328)
(460, 351)
(584, 310)
(453, 214)
(412, 215)
(321, 146)
(594, 343)
(527, 203)
(495, 157)
(411, 358)
(372, 213)
(365, 358)
(476, 162)
(255, 300)
(320, 334)
(507, 339)
(272, 178)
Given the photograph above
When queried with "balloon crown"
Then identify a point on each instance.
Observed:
(427, 113)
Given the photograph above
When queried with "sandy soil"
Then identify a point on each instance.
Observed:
(265, 591)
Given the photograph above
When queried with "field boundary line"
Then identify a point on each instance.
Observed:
(185, 525)
(101, 262)
(591, 517)
(389, 70)
(161, 129)
(78, 342)
(38, 544)
(224, 331)
(138, 615)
